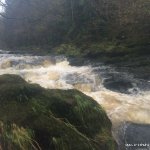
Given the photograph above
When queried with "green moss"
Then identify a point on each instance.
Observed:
(68, 50)
(103, 46)
(60, 119)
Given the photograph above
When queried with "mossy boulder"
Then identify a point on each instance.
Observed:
(58, 119)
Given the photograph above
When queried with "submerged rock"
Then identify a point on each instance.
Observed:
(119, 83)
(58, 119)
(134, 136)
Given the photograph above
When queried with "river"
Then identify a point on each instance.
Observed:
(125, 98)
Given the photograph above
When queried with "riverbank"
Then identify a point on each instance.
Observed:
(134, 59)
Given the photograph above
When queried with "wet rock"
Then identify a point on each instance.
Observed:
(118, 83)
(134, 136)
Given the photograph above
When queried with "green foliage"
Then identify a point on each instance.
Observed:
(102, 47)
(14, 137)
(68, 50)
(59, 119)
(79, 22)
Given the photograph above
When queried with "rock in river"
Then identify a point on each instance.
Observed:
(32, 117)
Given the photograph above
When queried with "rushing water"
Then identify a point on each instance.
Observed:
(122, 104)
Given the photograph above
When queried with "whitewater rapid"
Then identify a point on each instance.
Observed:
(55, 72)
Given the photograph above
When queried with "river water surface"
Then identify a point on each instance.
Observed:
(125, 98)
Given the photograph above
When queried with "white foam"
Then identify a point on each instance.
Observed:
(61, 75)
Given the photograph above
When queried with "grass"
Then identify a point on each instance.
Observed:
(14, 137)
(33, 118)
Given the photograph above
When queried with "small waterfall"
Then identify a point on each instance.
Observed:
(57, 73)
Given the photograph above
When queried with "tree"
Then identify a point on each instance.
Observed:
(52, 22)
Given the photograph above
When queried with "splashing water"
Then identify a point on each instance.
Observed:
(56, 73)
